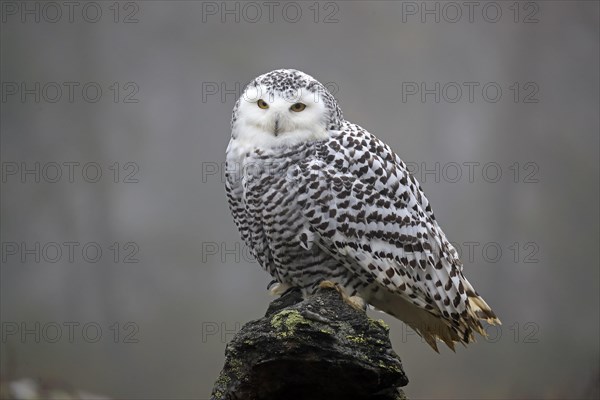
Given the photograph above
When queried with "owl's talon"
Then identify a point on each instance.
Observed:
(277, 288)
(356, 302)
(329, 285)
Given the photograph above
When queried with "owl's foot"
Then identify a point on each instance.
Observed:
(356, 302)
(278, 289)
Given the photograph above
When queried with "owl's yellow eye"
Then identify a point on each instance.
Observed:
(262, 104)
(298, 107)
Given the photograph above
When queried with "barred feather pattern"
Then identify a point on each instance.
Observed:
(346, 209)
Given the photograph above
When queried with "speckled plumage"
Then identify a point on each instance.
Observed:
(316, 197)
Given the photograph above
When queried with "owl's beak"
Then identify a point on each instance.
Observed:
(276, 129)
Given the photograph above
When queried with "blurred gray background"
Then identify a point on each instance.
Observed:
(158, 132)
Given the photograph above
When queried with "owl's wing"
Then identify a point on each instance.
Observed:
(389, 239)
(251, 231)
(374, 162)
(234, 190)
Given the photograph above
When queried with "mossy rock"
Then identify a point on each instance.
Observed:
(318, 348)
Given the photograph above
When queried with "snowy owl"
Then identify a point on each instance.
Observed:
(319, 200)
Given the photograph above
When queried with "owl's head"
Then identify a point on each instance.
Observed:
(283, 108)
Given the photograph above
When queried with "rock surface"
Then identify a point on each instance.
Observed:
(319, 348)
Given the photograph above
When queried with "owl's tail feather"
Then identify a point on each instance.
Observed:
(429, 326)
(480, 309)
(435, 327)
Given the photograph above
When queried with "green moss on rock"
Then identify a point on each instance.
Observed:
(286, 321)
